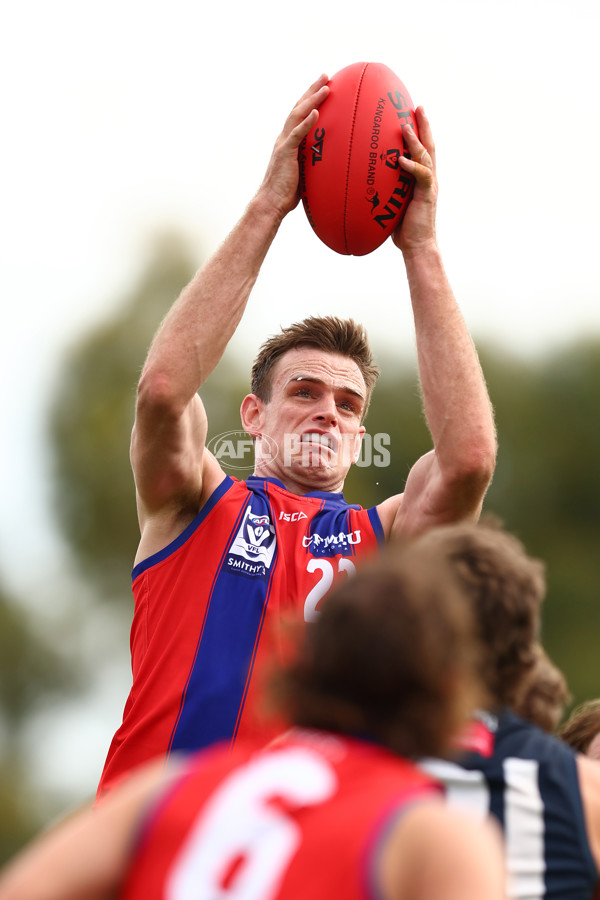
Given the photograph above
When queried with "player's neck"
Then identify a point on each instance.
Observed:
(301, 482)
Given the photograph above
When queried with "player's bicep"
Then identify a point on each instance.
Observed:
(434, 497)
(167, 450)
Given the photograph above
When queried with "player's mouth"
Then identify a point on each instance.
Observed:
(324, 440)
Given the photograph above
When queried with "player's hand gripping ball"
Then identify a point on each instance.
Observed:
(353, 188)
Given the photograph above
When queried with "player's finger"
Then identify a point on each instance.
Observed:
(423, 174)
(305, 114)
(420, 163)
(311, 99)
(425, 135)
(298, 133)
(305, 106)
(318, 84)
(419, 152)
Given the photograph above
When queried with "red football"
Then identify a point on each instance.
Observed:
(352, 186)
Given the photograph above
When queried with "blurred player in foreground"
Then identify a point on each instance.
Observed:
(545, 797)
(331, 809)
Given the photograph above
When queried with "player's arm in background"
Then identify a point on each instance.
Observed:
(174, 473)
(448, 483)
(88, 853)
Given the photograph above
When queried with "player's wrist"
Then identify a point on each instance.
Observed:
(270, 205)
(425, 250)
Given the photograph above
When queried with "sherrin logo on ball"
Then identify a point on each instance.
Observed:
(353, 189)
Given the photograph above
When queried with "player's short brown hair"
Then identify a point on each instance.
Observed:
(505, 588)
(582, 726)
(327, 333)
(391, 658)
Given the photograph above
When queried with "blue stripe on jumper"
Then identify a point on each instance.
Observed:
(215, 691)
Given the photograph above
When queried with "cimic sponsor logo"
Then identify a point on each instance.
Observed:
(341, 540)
(292, 517)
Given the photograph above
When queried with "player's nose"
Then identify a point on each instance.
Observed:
(326, 411)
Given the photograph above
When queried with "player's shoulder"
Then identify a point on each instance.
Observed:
(524, 739)
(213, 475)
(168, 528)
(439, 845)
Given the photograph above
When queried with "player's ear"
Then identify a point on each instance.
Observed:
(358, 443)
(252, 414)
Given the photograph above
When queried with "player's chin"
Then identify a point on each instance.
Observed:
(322, 471)
(319, 459)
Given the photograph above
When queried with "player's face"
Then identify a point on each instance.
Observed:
(314, 417)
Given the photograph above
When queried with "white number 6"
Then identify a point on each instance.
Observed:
(241, 844)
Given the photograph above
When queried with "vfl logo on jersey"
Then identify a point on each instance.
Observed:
(252, 549)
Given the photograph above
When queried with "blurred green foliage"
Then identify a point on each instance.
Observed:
(547, 490)
(33, 672)
(90, 424)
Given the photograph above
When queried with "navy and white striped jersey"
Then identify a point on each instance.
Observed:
(528, 781)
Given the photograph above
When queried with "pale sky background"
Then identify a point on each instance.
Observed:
(122, 117)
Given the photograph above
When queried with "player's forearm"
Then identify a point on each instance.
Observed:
(193, 336)
(456, 401)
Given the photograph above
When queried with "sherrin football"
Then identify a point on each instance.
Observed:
(352, 186)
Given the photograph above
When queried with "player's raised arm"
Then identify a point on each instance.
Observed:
(170, 429)
(448, 483)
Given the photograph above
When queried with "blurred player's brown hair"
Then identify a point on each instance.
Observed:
(582, 726)
(505, 589)
(391, 657)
